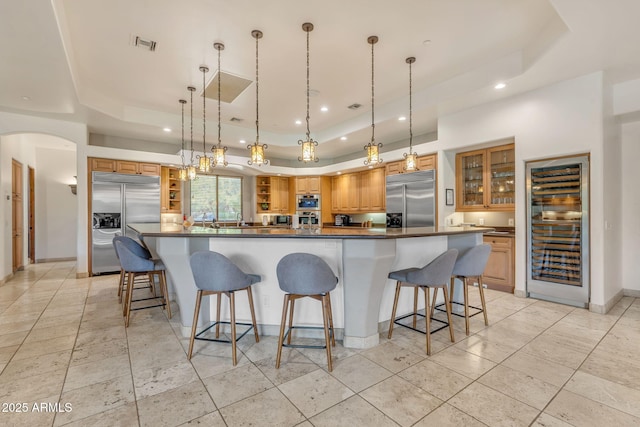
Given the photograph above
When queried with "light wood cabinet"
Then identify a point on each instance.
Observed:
(499, 272)
(485, 179)
(171, 191)
(372, 190)
(307, 185)
(124, 167)
(272, 194)
(429, 161)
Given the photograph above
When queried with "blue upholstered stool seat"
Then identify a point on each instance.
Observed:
(135, 261)
(303, 275)
(435, 275)
(215, 274)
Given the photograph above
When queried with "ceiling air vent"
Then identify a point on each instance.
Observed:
(354, 106)
(145, 44)
(236, 119)
(231, 87)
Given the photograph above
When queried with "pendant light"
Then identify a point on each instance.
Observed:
(218, 158)
(411, 159)
(257, 149)
(182, 172)
(191, 169)
(308, 145)
(372, 149)
(204, 161)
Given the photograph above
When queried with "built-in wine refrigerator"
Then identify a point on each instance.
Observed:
(558, 230)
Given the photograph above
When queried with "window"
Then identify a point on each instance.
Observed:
(216, 198)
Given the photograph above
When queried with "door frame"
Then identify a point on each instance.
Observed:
(17, 216)
(32, 216)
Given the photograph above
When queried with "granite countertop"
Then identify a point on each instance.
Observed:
(502, 231)
(177, 230)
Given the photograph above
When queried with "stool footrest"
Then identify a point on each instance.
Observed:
(304, 345)
(433, 319)
(479, 310)
(198, 337)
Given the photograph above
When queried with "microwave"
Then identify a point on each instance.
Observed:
(308, 202)
(282, 219)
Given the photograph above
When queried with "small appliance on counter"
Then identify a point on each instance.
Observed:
(342, 220)
(310, 218)
(281, 219)
(394, 220)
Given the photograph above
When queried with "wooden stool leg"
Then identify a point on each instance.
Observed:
(232, 305)
(218, 304)
(415, 305)
(120, 286)
(129, 298)
(484, 305)
(292, 302)
(393, 311)
(433, 301)
(465, 287)
(451, 289)
(427, 318)
(448, 307)
(152, 283)
(194, 325)
(285, 308)
(253, 313)
(333, 335)
(165, 291)
(327, 340)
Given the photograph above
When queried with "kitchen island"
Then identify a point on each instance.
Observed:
(361, 258)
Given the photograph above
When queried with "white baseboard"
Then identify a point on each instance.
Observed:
(43, 260)
(520, 293)
(6, 278)
(631, 293)
(603, 309)
(82, 275)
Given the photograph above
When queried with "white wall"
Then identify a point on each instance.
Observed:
(56, 206)
(13, 147)
(561, 119)
(630, 223)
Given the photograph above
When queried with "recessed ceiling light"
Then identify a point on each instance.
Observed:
(402, 118)
(166, 129)
(370, 166)
(242, 141)
(500, 85)
(26, 98)
(298, 122)
(324, 109)
(339, 173)
(343, 138)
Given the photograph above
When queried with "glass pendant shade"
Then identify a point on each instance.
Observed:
(182, 173)
(219, 157)
(309, 151)
(411, 162)
(191, 172)
(204, 163)
(373, 154)
(257, 154)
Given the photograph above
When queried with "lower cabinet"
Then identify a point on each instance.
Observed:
(499, 272)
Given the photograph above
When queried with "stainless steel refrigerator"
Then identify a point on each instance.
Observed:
(558, 230)
(411, 199)
(119, 200)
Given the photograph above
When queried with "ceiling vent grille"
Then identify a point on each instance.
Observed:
(145, 44)
(236, 119)
(354, 106)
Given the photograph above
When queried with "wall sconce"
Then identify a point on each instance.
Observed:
(74, 187)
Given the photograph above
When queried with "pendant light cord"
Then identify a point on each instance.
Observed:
(219, 139)
(308, 131)
(191, 89)
(410, 108)
(373, 124)
(257, 103)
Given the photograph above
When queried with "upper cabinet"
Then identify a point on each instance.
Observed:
(171, 191)
(429, 161)
(485, 179)
(272, 194)
(359, 192)
(307, 185)
(124, 166)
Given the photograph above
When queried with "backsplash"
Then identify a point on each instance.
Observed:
(493, 219)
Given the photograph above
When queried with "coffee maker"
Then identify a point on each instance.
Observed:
(342, 220)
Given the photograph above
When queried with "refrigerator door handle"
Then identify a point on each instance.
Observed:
(404, 206)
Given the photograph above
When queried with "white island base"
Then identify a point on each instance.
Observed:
(361, 301)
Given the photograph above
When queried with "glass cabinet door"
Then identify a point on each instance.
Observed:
(472, 167)
(501, 179)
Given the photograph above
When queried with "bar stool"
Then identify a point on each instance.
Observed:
(137, 249)
(215, 274)
(470, 265)
(303, 275)
(135, 265)
(435, 275)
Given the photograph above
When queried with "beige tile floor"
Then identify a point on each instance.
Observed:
(63, 341)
